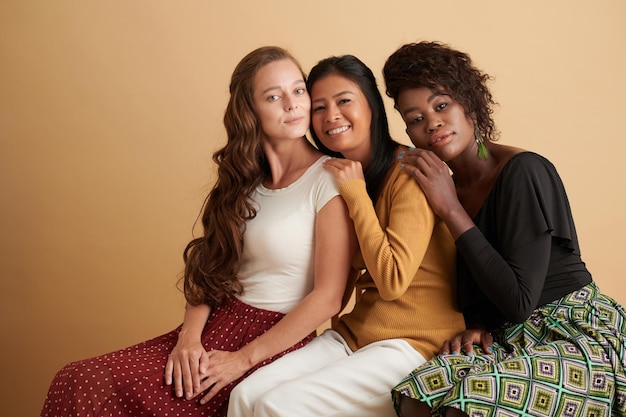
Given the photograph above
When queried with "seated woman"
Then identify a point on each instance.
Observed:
(407, 306)
(541, 339)
(271, 267)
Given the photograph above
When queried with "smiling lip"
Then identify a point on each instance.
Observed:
(440, 138)
(337, 130)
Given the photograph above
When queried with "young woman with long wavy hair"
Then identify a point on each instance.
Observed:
(270, 268)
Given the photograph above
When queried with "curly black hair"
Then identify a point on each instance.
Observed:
(439, 67)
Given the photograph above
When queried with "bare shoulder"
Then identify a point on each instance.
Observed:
(503, 153)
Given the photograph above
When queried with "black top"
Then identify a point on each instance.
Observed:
(523, 252)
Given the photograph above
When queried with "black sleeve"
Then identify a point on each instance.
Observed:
(513, 284)
(508, 253)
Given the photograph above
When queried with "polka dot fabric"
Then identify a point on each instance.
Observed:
(130, 382)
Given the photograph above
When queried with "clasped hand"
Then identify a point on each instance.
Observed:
(192, 370)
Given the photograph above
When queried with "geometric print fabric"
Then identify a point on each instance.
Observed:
(567, 359)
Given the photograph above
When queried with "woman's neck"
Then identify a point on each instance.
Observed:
(288, 161)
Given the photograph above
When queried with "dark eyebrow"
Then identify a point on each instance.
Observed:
(336, 95)
(429, 99)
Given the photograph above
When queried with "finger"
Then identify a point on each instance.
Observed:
(210, 393)
(414, 151)
(169, 368)
(195, 377)
(336, 163)
(187, 378)
(487, 342)
(455, 345)
(467, 346)
(413, 171)
(178, 380)
(445, 348)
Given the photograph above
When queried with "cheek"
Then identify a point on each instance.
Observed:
(316, 123)
(416, 139)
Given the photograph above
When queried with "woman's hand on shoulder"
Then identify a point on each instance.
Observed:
(465, 341)
(344, 170)
(435, 180)
(185, 366)
(433, 176)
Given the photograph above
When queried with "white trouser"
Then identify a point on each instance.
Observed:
(325, 378)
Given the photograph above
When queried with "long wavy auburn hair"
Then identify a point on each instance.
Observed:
(212, 262)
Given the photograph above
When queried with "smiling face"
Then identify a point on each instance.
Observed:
(281, 100)
(341, 117)
(436, 122)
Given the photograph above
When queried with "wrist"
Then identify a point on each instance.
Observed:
(247, 358)
(189, 334)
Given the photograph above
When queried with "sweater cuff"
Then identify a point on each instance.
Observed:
(353, 190)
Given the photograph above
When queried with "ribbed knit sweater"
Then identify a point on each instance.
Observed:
(409, 287)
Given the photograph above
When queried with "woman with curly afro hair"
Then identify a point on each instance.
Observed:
(541, 339)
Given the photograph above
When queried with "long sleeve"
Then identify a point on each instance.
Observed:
(392, 254)
(409, 287)
(524, 250)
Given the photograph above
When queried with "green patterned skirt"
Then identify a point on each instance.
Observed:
(566, 359)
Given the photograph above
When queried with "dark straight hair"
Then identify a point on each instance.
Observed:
(383, 145)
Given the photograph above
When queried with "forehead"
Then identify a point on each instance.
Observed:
(333, 84)
(416, 97)
(277, 74)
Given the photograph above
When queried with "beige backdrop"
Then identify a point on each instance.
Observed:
(110, 111)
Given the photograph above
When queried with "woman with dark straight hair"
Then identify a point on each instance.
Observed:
(405, 309)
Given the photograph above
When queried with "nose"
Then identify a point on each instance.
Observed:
(290, 104)
(332, 113)
(434, 124)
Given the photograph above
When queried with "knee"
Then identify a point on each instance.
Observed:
(244, 396)
(246, 402)
(240, 403)
(273, 404)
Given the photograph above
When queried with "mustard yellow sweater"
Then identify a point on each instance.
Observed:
(409, 288)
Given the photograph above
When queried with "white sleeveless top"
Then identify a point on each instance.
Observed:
(279, 243)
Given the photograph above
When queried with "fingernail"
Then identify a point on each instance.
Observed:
(411, 148)
(401, 165)
(454, 352)
(400, 157)
(490, 349)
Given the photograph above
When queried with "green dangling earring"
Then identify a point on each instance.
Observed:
(482, 148)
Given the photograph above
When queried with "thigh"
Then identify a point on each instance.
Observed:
(358, 385)
(323, 350)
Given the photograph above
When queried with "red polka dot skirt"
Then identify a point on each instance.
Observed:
(130, 382)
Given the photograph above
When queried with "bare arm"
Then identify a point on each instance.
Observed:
(335, 244)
